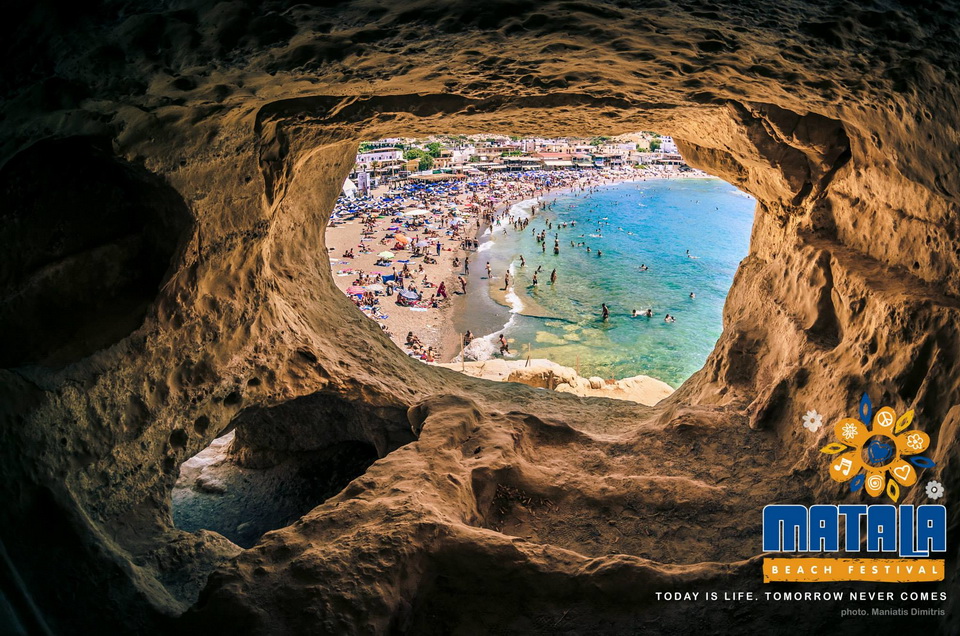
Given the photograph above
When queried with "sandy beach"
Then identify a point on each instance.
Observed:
(432, 233)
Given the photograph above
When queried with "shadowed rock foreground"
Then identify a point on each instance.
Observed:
(166, 176)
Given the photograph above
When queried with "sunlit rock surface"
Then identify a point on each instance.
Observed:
(182, 161)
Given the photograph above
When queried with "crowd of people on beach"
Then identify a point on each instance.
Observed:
(428, 233)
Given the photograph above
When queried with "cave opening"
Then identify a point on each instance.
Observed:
(216, 491)
(272, 465)
(608, 257)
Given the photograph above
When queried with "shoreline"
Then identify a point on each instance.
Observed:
(436, 327)
(530, 308)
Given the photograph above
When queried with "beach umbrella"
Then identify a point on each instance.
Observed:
(400, 238)
(423, 243)
(409, 295)
(353, 290)
(416, 213)
(385, 255)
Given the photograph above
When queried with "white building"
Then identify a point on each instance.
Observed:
(667, 144)
(461, 154)
(380, 155)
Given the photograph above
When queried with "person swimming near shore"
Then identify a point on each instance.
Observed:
(669, 318)
(553, 277)
(643, 267)
(535, 283)
(634, 314)
(605, 312)
(692, 296)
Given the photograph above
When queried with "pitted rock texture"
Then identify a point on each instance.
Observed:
(219, 135)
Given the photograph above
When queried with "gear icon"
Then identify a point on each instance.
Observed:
(812, 421)
(934, 489)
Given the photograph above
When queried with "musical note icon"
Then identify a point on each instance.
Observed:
(844, 466)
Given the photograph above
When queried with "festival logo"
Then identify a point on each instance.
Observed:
(879, 454)
(881, 459)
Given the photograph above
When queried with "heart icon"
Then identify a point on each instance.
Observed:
(903, 472)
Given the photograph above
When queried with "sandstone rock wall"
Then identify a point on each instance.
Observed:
(239, 121)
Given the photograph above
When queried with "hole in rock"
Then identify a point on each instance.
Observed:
(601, 259)
(88, 238)
(215, 492)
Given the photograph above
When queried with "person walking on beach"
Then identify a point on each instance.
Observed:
(605, 315)
(504, 347)
(463, 284)
(466, 265)
(438, 248)
(506, 281)
(488, 270)
(523, 263)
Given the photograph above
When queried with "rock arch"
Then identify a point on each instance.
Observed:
(839, 119)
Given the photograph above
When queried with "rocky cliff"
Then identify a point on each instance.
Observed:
(166, 175)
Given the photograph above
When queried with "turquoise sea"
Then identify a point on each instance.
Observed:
(650, 223)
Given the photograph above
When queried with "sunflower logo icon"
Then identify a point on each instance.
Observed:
(879, 459)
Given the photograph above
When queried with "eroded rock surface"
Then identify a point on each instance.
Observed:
(219, 135)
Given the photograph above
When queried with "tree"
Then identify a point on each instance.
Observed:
(366, 146)
(434, 149)
(654, 144)
(426, 161)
